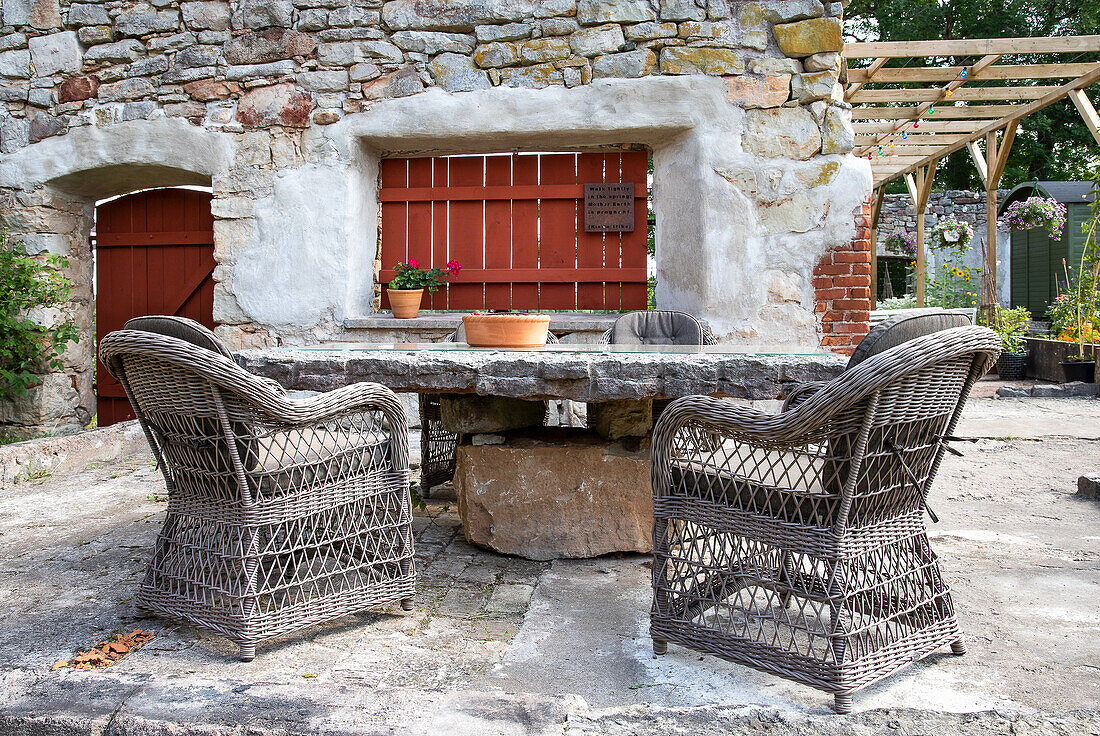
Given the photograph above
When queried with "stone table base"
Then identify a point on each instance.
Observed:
(559, 493)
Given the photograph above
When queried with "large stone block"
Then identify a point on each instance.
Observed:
(592, 12)
(564, 493)
(15, 64)
(756, 92)
(784, 132)
(45, 14)
(809, 37)
(259, 14)
(15, 12)
(274, 44)
(116, 53)
(277, 104)
(692, 60)
(143, 20)
(127, 89)
(433, 42)
(211, 16)
(606, 39)
(88, 14)
(480, 414)
(627, 65)
(465, 15)
(614, 420)
(683, 10)
(458, 73)
(496, 54)
(543, 50)
(837, 134)
(1088, 487)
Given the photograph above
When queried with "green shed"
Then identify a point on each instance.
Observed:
(1036, 258)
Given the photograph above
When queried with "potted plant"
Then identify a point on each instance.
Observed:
(901, 243)
(504, 330)
(1036, 212)
(409, 282)
(951, 233)
(1075, 313)
(1011, 326)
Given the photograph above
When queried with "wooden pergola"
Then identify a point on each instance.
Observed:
(908, 117)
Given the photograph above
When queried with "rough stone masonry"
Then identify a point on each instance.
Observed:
(286, 107)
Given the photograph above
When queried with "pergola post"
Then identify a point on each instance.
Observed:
(919, 183)
(876, 211)
(996, 157)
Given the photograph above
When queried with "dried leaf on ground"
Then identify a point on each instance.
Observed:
(108, 652)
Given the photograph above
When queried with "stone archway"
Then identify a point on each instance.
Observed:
(48, 192)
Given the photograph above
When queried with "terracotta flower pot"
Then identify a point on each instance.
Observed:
(405, 303)
(506, 330)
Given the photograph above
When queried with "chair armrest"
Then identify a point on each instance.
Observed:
(800, 392)
(719, 420)
(345, 400)
(272, 384)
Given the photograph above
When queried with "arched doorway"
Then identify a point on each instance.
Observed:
(154, 255)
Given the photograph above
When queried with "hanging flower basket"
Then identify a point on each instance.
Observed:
(901, 243)
(1036, 212)
(951, 233)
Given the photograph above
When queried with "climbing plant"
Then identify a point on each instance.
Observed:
(32, 334)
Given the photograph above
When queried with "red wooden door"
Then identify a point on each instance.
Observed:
(515, 223)
(154, 255)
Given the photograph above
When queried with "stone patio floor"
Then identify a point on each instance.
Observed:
(500, 645)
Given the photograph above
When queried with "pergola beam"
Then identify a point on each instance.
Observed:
(1088, 112)
(1001, 72)
(932, 126)
(869, 72)
(967, 94)
(1023, 111)
(972, 47)
(946, 112)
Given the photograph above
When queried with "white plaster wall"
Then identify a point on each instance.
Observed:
(714, 256)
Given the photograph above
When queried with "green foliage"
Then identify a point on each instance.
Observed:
(1075, 313)
(1054, 143)
(952, 284)
(27, 348)
(410, 275)
(1011, 326)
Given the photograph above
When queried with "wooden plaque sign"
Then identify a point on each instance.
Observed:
(609, 208)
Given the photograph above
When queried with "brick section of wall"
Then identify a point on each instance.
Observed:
(842, 289)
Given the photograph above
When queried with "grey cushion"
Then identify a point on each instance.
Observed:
(180, 328)
(903, 327)
(656, 328)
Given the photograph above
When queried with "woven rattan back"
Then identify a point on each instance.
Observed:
(861, 449)
(210, 424)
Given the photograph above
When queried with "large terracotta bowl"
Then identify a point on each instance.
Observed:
(506, 330)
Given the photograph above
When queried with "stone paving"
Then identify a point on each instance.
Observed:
(501, 645)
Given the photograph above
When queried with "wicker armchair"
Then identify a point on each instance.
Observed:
(796, 544)
(282, 513)
(891, 332)
(438, 446)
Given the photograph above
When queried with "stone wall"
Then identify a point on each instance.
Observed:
(898, 213)
(285, 108)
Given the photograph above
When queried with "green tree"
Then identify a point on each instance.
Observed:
(29, 346)
(1052, 144)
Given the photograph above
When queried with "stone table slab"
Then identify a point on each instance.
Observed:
(577, 373)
